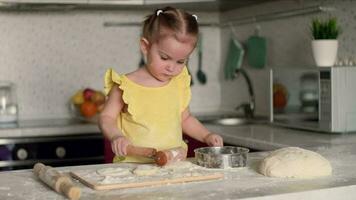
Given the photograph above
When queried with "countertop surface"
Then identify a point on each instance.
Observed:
(238, 183)
(47, 128)
(339, 149)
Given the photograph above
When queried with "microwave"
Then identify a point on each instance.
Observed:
(319, 99)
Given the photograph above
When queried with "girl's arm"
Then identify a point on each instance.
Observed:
(108, 121)
(192, 127)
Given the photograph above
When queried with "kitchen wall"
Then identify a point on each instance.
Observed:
(50, 55)
(288, 45)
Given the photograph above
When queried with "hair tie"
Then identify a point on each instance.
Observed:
(159, 12)
(196, 17)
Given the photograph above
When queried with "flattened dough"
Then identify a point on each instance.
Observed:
(180, 165)
(117, 171)
(145, 170)
(294, 162)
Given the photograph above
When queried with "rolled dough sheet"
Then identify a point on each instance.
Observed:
(129, 175)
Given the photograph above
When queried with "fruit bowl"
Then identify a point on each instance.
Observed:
(86, 104)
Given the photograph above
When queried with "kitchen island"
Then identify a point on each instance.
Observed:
(242, 183)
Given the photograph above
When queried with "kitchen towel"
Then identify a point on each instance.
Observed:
(234, 58)
(256, 51)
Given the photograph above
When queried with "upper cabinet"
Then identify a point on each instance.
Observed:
(117, 2)
(196, 5)
(176, 1)
(45, 1)
(104, 2)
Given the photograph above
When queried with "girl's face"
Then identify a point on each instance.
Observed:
(167, 57)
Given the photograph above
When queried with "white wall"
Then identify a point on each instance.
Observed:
(50, 55)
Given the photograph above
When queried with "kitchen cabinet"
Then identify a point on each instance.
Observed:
(106, 2)
(46, 1)
(198, 5)
(177, 1)
(116, 2)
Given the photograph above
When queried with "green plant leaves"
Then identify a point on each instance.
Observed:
(325, 29)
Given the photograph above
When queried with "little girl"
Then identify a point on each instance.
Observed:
(149, 107)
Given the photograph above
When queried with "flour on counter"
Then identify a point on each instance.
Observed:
(145, 170)
(132, 173)
(118, 171)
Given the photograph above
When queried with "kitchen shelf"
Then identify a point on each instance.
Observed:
(247, 20)
(277, 15)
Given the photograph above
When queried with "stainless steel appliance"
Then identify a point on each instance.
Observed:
(57, 150)
(336, 99)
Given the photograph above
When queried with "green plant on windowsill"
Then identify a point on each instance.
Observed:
(325, 29)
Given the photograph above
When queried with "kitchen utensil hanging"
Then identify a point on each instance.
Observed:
(233, 59)
(200, 73)
(234, 56)
(256, 50)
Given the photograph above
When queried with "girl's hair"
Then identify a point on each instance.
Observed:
(169, 21)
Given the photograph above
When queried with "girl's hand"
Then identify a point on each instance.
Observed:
(214, 140)
(119, 145)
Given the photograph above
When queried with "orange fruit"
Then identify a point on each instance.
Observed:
(88, 109)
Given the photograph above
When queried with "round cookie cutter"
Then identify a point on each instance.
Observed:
(221, 157)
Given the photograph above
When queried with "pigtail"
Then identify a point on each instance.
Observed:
(171, 19)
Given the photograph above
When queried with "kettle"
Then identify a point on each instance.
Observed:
(8, 102)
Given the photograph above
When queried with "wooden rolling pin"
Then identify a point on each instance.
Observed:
(141, 151)
(59, 182)
(170, 156)
(161, 157)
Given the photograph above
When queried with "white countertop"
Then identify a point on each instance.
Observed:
(268, 137)
(239, 183)
(340, 149)
(47, 127)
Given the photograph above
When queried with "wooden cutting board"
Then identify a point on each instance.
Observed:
(93, 179)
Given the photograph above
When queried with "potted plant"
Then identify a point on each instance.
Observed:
(325, 43)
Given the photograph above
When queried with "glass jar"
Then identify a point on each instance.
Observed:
(8, 102)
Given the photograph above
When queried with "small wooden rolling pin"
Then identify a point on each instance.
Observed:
(59, 182)
(161, 158)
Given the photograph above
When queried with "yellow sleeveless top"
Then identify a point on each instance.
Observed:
(153, 117)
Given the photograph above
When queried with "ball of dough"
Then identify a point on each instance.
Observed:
(294, 162)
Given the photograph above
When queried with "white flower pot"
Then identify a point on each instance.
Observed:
(325, 52)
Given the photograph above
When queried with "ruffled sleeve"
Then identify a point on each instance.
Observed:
(184, 83)
(110, 79)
